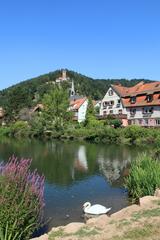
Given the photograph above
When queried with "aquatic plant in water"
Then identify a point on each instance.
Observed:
(21, 199)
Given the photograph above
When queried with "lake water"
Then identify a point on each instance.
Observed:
(75, 173)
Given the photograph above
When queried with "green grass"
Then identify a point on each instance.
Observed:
(146, 214)
(157, 202)
(86, 232)
(82, 232)
(58, 233)
(137, 233)
(112, 222)
(123, 222)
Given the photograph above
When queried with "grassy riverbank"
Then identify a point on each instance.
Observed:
(98, 133)
(134, 222)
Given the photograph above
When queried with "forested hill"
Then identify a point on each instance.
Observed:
(29, 92)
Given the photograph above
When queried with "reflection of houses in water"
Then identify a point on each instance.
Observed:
(113, 169)
(80, 162)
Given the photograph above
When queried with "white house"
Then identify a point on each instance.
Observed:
(79, 108)
(112, 103)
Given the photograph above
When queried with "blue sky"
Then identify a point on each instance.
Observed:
(98, 38)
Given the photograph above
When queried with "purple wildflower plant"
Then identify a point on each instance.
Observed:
(21, 197)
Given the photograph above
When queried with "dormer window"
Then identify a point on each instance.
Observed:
(149, 98)
(133, 99)
(110, 93)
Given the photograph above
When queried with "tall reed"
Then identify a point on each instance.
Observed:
(144, 176)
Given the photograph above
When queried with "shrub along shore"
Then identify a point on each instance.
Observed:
(55, 121)
(97, 134)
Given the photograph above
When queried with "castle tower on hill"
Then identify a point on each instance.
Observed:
(63, 77)
(64, 74)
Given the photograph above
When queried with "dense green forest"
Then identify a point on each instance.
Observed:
(30, 92)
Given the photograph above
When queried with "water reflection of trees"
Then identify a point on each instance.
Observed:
(58, 161)
(64, 163)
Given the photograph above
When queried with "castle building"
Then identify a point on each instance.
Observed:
(63, 77)
(140, 103)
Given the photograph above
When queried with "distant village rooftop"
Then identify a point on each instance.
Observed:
(140, 88)
(76, 104)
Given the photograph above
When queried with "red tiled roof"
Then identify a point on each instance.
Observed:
(75, 105)
(140, 91)
(142, 101)
(140, 88)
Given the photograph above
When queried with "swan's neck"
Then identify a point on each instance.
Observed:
(88, 206)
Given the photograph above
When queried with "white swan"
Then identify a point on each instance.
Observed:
(96, 209)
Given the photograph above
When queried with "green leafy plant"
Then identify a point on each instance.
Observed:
(144, 177)
(20, 129)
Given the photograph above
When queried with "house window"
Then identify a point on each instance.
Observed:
(133, 122)
(147, 110)
(120, 111)
(105, 104)
(110, 93)
(144, 110)
(133, 111)
(149, 98)
(118, 103)
(111, 103)
(129, 122)
(157, 121)
(133, 99)
(140, 121)
(111, 112)
(104, 112)
(146, 121)
(151, 110)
